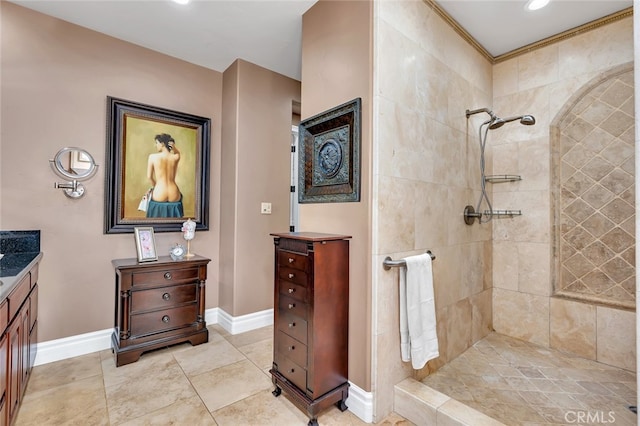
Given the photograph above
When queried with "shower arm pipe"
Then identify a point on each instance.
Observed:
(477, 111)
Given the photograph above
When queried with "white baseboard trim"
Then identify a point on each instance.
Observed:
(360, 403)
(69, 347)
(241, 324)
(82, 344)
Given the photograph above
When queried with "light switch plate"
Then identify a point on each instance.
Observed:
(265, 208)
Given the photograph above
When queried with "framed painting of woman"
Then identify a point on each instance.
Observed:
(157, 168)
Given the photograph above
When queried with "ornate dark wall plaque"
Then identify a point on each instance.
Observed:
(329, 156)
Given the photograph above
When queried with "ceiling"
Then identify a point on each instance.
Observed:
(214, 33)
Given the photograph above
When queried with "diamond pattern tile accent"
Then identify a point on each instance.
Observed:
(597, 168)
(521, 383)
(617, 152)
(617, 181)
(597, 196)
(618, 270)
(618, 240)
(578, 183)
(598, 225)
(579, 210)
(618, 210)
(596, 187)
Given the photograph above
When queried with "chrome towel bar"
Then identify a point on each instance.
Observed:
(388, 263)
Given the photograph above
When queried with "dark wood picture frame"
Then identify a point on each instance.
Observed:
(329, 155)
(132, 128)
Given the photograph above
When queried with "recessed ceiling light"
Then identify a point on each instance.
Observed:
(181, 1)
(536, 4)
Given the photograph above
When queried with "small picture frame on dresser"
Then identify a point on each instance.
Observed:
(145, 244)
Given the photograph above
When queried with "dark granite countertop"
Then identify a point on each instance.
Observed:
(13, 263)
(21, 250)
(18, 265)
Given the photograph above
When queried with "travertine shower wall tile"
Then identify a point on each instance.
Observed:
(505, 270)
(539, 68)
(512, 309)
(573, 327)
(594, 50)
(616, 335)
(533, 266)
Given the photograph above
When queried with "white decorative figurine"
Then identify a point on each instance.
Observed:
(189, 230)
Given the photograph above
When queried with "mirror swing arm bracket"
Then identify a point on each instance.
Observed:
(86, 168)
(73, 189)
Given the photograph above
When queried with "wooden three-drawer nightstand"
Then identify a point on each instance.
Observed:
(158, 304)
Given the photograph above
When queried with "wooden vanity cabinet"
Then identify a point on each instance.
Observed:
(311, 320)
(18, 344)
(158, 304)
(4, 354)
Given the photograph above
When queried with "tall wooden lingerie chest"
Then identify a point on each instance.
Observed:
(311, 320)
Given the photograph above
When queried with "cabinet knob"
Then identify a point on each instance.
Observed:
(290, 260)
(292, 370)
(167, 275)
(292, 305)
(165, 319)
(290, 275)
(291, 348)
(166, 296)
(291, 290)
(292, 324)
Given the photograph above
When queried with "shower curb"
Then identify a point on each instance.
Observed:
(423, 405)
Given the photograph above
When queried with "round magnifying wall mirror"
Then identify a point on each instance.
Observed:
(74, 164)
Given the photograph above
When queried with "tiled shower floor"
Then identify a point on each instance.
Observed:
(519, 383)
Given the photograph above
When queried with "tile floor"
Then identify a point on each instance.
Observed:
(519, 383)
(222, 382)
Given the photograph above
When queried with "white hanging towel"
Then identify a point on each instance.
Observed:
(418, 338)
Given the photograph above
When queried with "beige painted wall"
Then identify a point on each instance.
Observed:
(55, 80)
(228, 185)
(259, 158)
(337, 68)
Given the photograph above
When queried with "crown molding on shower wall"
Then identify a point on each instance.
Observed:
(529, 47)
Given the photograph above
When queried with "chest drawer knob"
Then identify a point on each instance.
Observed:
(292, 305)
(166, 296)
(291, 348)
(166, 319)
(167, 275)
(290, 260)
(291, 290)
(290, 275)
(292, 324)
(292, 370)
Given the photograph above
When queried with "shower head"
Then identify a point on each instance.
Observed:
(495, 122)
(527, 120)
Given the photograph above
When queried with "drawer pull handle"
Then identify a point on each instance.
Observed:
(291, 290)
(292, 324)
(167, 275)
(290, 260)
(290, 275)
(292, 370)
(291, 348)
(166, 319)
(292, 305)
(166, 296)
